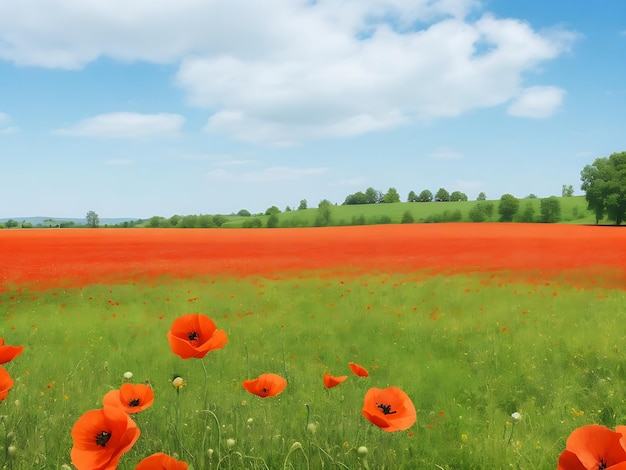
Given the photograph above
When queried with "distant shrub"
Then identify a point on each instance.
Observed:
(358, 220)
(252, 223)
(407, 218)
(477, 214)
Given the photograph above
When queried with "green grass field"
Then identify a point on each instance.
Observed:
(468, 350)
(573, 210)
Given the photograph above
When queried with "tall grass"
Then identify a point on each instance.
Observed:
(469, 351)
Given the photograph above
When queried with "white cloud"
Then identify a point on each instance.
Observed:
(126, 126)
(446, 154)
(267, 175)
(537, 102)
(284, 71)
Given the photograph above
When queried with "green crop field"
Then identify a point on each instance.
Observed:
(469, 351)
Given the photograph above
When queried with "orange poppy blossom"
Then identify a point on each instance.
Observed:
(358, 370)
(130, 397)
(6, 383)
(8, 353)
(594, 446)
(331, 381)
(266, 385)
(101, 437)
(194, 335)
(390, 409)
(161, 461)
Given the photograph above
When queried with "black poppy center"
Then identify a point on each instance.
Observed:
(103, 438)
(193, 335)
(386, 409)
(134, 402)
(266, 390)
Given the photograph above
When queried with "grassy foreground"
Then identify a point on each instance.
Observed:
(468, 350)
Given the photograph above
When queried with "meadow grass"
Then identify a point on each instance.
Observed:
(573, 210)
(469, 350)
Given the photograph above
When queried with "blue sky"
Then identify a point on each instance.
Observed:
(133, 108)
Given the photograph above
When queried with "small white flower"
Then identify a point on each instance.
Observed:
(311, 427)
(128, 375)
(362, 451)
(516, 416)
(230, 443)
(210, 453)
(249, 420)
(178, 383)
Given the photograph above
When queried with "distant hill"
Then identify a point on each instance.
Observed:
(46, 221)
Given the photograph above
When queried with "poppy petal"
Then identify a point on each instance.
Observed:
(6, 383)
(8, 353)
(161, 461)
(358, 370)
(331, 381)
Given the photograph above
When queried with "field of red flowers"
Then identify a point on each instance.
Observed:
(44, 258)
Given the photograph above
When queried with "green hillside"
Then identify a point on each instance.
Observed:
(573, 210)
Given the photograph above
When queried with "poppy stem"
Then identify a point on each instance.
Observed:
(206, 382)
(284, 361)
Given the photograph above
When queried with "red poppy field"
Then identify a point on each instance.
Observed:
(413, 346)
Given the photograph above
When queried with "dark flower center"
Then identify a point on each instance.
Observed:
(602, 465)
(192, 336)
(103, 438)
(134, 402)
(386, 409)
(265, 390)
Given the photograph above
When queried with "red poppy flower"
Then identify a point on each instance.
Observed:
(267, 385)
(390, 409)
(593, 446)
(6, 383)
(130, 397)
(330, 381)
(358, 370)
(161, 461)
(101, 437)
(8, 353)
(194, 335)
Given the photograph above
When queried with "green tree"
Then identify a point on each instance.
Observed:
(604, 183)
(412, 197)
(508, 207)
(391, 196)
(487, 208)
(252, 223)
(244, 213)
(272, 220)
(442, 195)
(407, 218)
(303, 205)
(174, 220)
(92, 219)
(373, 196)
(12, 223)
(425, 196)
(218, 220)
(550, 209)
(323, 217)
(481, 196)
(567, 191)
(477, 213)
(528, 213)
(458, 196)
(272, 210)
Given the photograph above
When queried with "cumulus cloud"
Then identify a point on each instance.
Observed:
(284, 71)
(126, 126)
(267, 175)
(537, 102)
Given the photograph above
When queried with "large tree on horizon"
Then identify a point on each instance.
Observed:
(604, 183)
